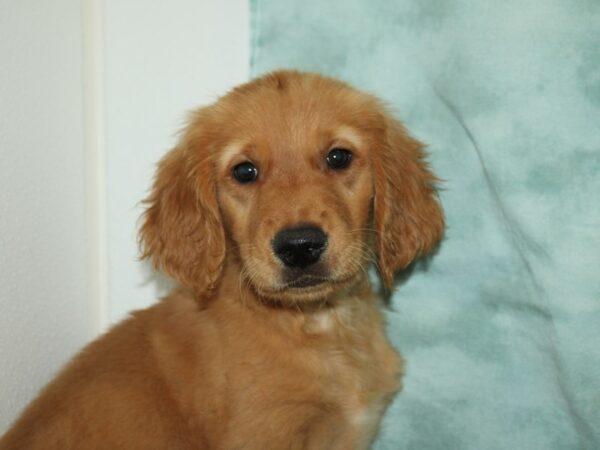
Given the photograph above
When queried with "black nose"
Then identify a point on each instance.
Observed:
(299, 247)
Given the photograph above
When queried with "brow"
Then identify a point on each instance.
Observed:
(228, 152)
(349, 134)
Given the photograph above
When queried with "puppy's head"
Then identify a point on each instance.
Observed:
(299, 180)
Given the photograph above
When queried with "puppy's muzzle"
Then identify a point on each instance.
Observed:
(299, 247)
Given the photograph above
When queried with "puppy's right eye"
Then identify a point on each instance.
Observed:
(245, 172)
(339, 158)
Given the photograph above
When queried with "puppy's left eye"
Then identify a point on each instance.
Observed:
(245, 172)
(339, 158)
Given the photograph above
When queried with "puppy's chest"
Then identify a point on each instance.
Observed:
(332, 382)
(357, 372)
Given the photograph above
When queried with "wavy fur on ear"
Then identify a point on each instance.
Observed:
(408, 217)
(182, 232)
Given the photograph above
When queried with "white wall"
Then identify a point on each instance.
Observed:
(93, 107)
(43, 307)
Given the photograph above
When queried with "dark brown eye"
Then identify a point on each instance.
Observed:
(245, 172)
(339, 158)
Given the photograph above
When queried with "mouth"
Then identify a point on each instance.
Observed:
(305, 281)
(305, 289)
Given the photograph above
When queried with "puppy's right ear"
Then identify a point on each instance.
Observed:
(182, 232)
(408, 217)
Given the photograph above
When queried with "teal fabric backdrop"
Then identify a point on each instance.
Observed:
(501, 331)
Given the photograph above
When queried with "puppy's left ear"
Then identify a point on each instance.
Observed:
(408, 218)
(182, 232)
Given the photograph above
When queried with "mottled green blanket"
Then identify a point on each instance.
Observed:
(501, 331)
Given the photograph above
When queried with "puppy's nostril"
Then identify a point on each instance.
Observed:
(287, 256)
(299, 247)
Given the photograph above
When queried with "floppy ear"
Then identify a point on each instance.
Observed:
(408, 218)
(182, 232)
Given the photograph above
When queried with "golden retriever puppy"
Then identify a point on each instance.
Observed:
(268, 213)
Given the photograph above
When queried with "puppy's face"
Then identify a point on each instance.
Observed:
(302, 181)
(295, 188)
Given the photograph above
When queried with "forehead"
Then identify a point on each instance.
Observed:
(293, 112)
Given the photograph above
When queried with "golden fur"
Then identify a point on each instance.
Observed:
(235, 358)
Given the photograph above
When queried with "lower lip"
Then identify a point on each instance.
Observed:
(301, 284)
